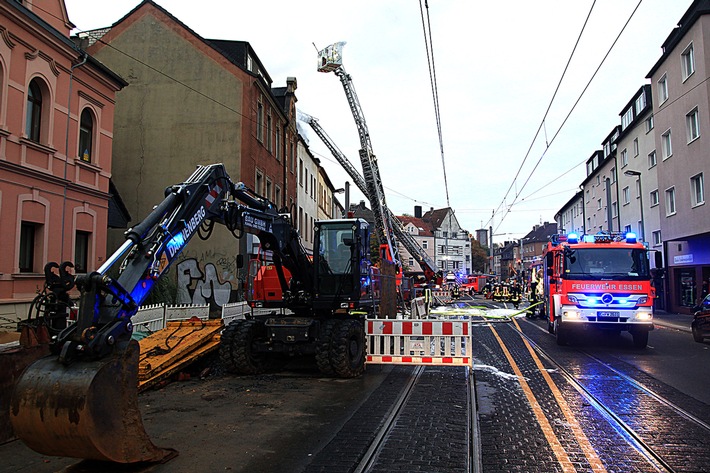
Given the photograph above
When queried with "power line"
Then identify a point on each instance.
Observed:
(586, 87)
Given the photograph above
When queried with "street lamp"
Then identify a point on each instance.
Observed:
(629, 172)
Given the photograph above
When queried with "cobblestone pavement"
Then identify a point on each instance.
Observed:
(430, 434)
(516, 438)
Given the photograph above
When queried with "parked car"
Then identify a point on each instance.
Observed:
(701, 320)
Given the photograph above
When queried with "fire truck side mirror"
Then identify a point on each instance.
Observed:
(658, 259)
(549, 260)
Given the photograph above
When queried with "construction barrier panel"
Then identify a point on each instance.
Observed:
(419, 342)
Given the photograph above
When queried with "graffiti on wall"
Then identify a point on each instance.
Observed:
(197, 287)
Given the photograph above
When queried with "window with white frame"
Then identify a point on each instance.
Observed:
(670, 201)
(599, 204)
(662, 89)
(692, 125)
(657, 240)
(666, 143)
(627, 228)
(697, 189)
(627, 118)
(640, 103)
(654, 197)
(636, 147)
(687, 62)
(624, 158)
(614, 209)
(260, 122)
(649, 124)
(612, 173)
(425, 244)
(652, 160)
(626, 195)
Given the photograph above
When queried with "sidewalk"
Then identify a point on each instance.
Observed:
(672, 320)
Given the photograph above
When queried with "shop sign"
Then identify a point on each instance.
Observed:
(683, 259)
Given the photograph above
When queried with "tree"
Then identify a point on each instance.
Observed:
(479, 256)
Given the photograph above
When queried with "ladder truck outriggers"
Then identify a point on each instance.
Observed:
(600, 281)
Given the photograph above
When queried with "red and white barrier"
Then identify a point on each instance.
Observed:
(419, 342)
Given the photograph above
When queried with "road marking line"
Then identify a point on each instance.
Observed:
(547, 430)
(584, 442)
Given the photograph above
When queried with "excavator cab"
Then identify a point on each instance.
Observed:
(341, 262)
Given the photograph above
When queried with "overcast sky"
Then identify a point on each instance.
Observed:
(497, 67)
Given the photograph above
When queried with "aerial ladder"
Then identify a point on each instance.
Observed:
(405, 238)
(330, 60)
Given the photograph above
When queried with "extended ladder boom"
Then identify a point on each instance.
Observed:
(423, 259)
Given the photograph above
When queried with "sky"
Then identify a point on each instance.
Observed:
(497, 67)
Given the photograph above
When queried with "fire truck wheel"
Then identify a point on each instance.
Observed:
(348, 349)
(323, 347)
(236, 350)
(561, 333)
(640, 338)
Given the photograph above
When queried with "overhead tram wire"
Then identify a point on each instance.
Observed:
(428, 44)
(544, 117)
(574, 106)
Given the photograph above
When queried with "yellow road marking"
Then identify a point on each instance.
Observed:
(552, 439)
(584, 443)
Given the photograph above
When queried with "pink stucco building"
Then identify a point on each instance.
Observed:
(56, 131)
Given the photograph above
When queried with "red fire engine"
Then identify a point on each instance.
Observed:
(598, 281)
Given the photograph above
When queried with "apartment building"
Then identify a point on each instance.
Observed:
(56, 131)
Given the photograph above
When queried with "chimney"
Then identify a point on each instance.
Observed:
(418, 211)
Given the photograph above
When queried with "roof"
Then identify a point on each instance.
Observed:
(425, 229)
(541, 233)
(695, 11)
(435, 217)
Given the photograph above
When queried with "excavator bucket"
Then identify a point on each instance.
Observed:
(85, 410)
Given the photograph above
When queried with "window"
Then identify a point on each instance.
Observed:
(626, 195)
(662, 89)
(657, 240)
(410, 262)
(636, 147)
(697, 189)
(81, 252)
(259, 183)
(260, 122)
(599, 204)
(666, 143)
(614, 210)
(627, 118)
(649, 124)
(652, 159)
(277, 195)
(692, 125)
(300, 172)
(640, 103)
(612, 173)
(268, 189)
(86, 133)
(670, 201)
(277, 143)
(624, 158)
(269, 133)
(654, 198)
(599, 180)
(27, 247)
(687, 62)
(627, 228)
(425, 244)
(34, 111)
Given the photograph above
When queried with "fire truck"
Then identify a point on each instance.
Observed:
(600, 281)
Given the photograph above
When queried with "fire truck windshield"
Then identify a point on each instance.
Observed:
(606, 263)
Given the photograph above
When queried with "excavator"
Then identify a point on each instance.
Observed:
(81, 401)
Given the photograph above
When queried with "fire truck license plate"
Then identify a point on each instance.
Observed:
(608, 314)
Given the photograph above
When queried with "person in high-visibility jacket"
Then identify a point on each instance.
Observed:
(427, 298)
